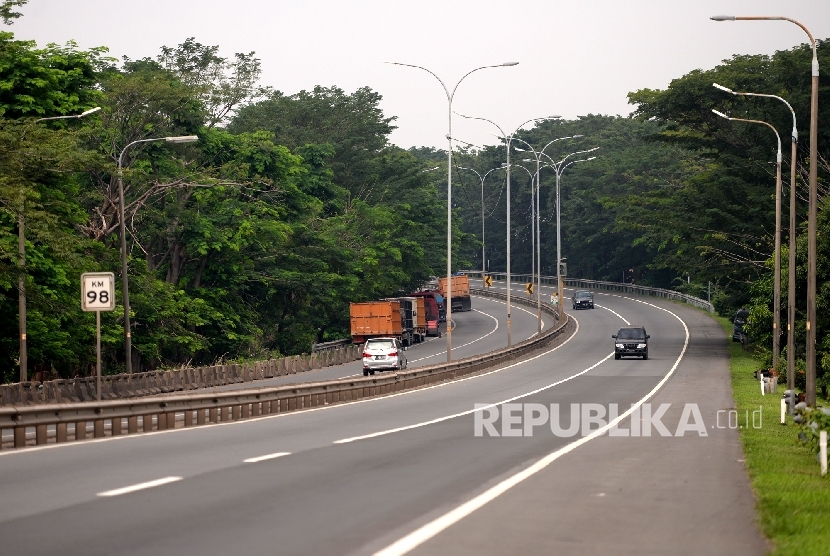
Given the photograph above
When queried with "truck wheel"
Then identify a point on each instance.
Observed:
(440, 334)
(645, 355)
(616, 356)
(365, 372)
(371, 372)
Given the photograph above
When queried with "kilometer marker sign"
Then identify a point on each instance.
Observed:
(97, 291)
(97, 294)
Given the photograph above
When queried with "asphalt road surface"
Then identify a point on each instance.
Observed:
(475, 332)
(407, 474)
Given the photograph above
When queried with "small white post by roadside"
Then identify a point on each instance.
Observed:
(783, 411)
(822, 451)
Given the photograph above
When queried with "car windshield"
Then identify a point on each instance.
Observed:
(631, 334)
(583, 294)
(379, 344)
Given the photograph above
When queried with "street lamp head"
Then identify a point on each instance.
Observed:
(88, 112)
(722, 88)
(722, 18)
(510, 64)
(182, 139)
(721, 114)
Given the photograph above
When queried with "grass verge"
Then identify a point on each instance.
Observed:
(793, 499)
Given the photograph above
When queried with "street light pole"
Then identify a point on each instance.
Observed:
(792, 247)
(125, 287)
(450, 96)
(539, 223)
(776, 302)
(21, 261)
(508, 140)
(813, 204)
(559, 168)
(481, 178)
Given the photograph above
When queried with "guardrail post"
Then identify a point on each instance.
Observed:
(80, 430)
(20, 437)
(98, 428)
(60, 432)
(170, 417)
(146, 423)
(132, 424)
(236, 413)
(214, 414)
(116, 426)
(40, 435)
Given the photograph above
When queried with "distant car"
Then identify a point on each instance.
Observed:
(583, 299)
(380, 354)
(631, 340)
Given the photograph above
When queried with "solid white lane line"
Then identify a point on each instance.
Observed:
(268, 456)
(139, 486)
(127, 437)
(469, 411)
(613, 311)
(468, 343)
(426, 532)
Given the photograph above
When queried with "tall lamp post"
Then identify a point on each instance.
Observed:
(559, 168)
(538, 157)
(776, 303)
(21, 262)
(125, 287)
(450, 96)
(813, 205)
(481, 178)
(508, 139)
(791, 254)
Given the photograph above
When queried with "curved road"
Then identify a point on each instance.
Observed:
(478, 331)
(407, 473)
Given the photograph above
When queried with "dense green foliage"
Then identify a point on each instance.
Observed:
(252, 241)
(255, 239)
(677, 196)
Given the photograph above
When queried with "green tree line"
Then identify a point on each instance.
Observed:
(677, 197)
(248, 243)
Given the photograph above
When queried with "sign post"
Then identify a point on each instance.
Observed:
(97, 294)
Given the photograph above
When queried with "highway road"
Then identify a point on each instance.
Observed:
(475, 332)
(406, 473)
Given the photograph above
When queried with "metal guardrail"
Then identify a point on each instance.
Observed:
(150, 383)
(327, 346)
(69, 421)
(604, 286)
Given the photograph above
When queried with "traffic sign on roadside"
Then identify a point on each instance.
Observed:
(529, 288)
(97, 291)
(97, 294)
(488, 281)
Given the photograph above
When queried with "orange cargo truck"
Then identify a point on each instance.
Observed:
(378, 319)
(460, 292)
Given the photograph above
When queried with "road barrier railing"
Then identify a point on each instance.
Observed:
(151, 383)
(64, 422)
(602, 286)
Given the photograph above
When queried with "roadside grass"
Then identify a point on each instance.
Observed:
(793, 499)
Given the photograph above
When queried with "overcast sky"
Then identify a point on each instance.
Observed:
(576, 57)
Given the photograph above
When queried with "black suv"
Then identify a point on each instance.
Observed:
(631, 340)
(583, 300)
